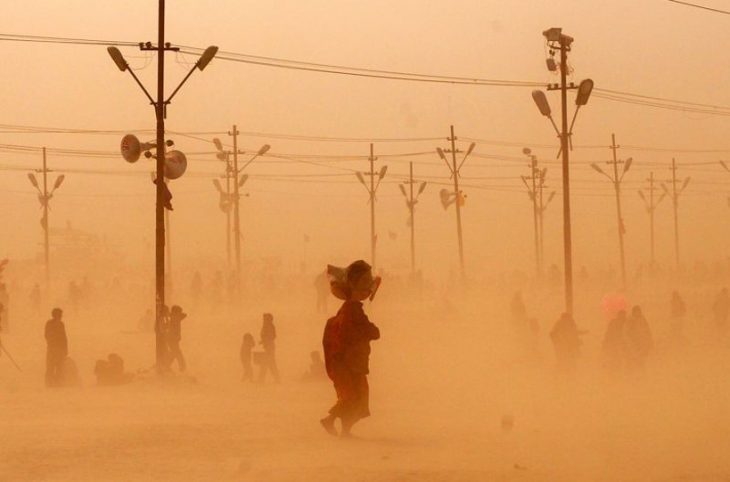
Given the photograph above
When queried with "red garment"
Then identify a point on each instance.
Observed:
(346, 344)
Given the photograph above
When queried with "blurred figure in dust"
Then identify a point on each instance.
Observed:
(317, 369)
(321, 284)
(268, 337)
(639, 341)
(56, 348)
(346, 344)
(247, 346)
(174, 335)
(614, 343)
(196, 288)
(720, 310)
(35, 299)
(566, 342)
(677, 310)
(524, 329)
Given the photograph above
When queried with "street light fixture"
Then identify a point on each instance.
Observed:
(558, 41)
(162, 193)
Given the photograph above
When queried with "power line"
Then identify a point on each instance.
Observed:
(716, 10)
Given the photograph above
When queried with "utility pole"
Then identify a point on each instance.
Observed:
(372, 188)
(163, 195)
(458, 197)
(236, 207)
(558, 41)
(674, 194)
(233, 173)
(168, 254)
(226, 200)
(651, 208)
(44, 197)
(373, 239)
(532, 193)
(542, 207)
(616, 181)
(411, 201)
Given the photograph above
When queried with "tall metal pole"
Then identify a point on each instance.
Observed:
(675, 202)
(620, 221)
(168, 251)
(228, 213)
(652, 209)
(567, 236)
(160, 183)
(412, 207)
(455, 171)
(46, 227)
(533, 195)
(373, 240)
(541, 212)
(236, 207)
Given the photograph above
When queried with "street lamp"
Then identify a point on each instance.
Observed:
(162, 193)
(558, 41)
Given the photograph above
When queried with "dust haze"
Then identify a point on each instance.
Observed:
(477, 374)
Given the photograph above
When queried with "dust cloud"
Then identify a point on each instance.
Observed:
(462, 387)
(475, 376)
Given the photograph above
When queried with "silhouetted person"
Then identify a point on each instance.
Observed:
(111, 371)
(321, 285)
(317, 370)
(566, 342)
(247, 346)
(639, 341)
(720, 311)
(35, 299)
(56, 348)
(174, 335)
(196, 287)
(614, 343)
(268, 338)
(346, 343)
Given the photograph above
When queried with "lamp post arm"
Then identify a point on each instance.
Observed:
(169, 99)
(136, 79)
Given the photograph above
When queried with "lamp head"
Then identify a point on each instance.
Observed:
(118, 58)
(207, 56)
(542, 103)
(584, 92)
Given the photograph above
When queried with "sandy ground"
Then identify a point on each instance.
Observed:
(438, 395)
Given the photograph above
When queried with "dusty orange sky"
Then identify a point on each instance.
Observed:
(650, 47)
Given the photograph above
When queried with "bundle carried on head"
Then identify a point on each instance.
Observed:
(355, 282)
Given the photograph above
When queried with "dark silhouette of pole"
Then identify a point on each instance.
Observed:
(168, 253)
(236, 207)
(532, 193)
(411, 201)
(455, 171)
(651, 206)
(46, 226)
(228, 212)
(558, 41)
(44, 197)
(674, 194)
(373, 239)
(162, 192)
(620, 220)
(160, 183)
(412, 209)
(372, 189)
(616, 180)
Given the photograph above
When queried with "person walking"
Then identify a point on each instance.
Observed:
(56, 348)
(247, 346)
(346, 343)
(174, 335)
(268, 339)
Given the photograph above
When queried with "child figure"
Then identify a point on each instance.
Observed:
(247, 346)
